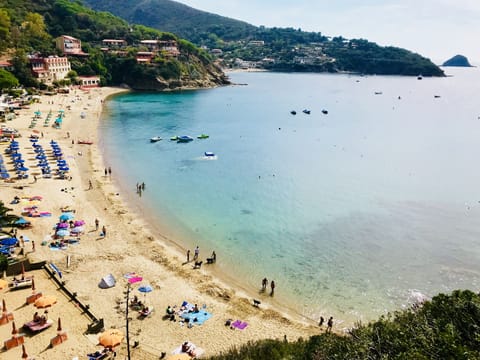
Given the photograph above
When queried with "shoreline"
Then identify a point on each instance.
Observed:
(133, 244)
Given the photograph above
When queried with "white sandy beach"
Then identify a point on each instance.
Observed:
(130, 246)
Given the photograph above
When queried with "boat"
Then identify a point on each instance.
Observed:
(306, 111)
(174, 138)
(184, 138)
(324, 111)
(209, 154)
(293, 112)
(155, 139)
(419, 77)
(203, 136)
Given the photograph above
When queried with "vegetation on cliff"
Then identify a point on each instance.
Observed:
(28, 27)
(283, 49)
(447, 327)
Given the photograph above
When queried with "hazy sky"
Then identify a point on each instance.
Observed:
(437, 29)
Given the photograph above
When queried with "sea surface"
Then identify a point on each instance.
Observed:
(353, 213)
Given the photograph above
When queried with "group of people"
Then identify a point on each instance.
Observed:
(272, 286)
(40, 319)
(212, 259)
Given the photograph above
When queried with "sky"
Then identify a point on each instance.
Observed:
(436, 29)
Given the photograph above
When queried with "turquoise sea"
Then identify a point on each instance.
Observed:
(352, 213)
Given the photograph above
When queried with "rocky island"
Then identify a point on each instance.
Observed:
(457, 60)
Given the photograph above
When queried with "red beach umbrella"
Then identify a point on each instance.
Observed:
(24, 352)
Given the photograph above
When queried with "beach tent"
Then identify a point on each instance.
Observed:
(107, 282)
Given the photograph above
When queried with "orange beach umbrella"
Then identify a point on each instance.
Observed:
(110, 338)
(45, 301)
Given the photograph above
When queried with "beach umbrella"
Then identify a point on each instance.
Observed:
(79, 223)
(22, 168)
(66, 216)
(14, 329)
(63, 232)
(24, 352)
(14, 156)
(77, 230)
(145, 288)
(33, 140)
(3, 284)
(135, 279)
(62, 225)
(18, 161)
(9, 241)
(110, 338)
(64, 168)
(22, 221)
(45, 301)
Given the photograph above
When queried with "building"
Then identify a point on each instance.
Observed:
(89, 81)
(50, 69)
(169, 46)
(114, 43)
(145, 57)
(70, 45)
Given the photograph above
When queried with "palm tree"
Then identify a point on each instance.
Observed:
(6, 219)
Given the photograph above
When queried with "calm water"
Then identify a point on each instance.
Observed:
(350, 213)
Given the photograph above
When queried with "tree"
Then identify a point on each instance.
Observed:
(7, 80)
(6, 219)
(4, 29)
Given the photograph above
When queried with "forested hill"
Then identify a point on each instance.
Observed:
(284, 49)
(31, 26)
(172, 16)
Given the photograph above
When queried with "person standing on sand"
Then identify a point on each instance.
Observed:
(109, 171)
(272, 286)
(264, 284)
(322, 320)
(104, 231)
(188, 255)
(96, 224)
(106, 172)
(330, 324)
(197, 252)
(90, 185)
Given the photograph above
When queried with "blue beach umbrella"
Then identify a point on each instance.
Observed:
(22, 168)
(145, 288)
(14, 156)
(19, 161)
(9, 241)
(64, 168)
(66, 216)
(63, 232)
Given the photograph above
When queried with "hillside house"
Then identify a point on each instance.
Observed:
(169, 46)
(50, 69)
(70, 45)
(89, 81)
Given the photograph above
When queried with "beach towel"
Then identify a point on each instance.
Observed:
(196, 318)
(237, 324)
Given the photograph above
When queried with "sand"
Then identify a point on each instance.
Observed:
(130, 246)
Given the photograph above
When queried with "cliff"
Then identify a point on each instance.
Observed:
(457, 60)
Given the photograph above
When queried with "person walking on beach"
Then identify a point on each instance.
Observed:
(33, 245)
(96, 224)
(188, 255)
(143, 186)
(90, 185)
(330, 324)
(197, 252)
(104, 231)
(272, 286)
(109, 171)
(322, 320)
(106, 172)
(264, 284)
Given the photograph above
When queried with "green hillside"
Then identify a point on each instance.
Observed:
(281, 49)
(31, 26)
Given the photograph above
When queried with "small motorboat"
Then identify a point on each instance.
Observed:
(203, 136)
(155, 139)
(184, 139)
(209, 154)
(293, 112)
(306, 111)
(419, 77)
(324, 111)
(174, 138)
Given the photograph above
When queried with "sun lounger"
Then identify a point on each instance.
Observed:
(20, 284)
(97, 355)
(37, 326)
